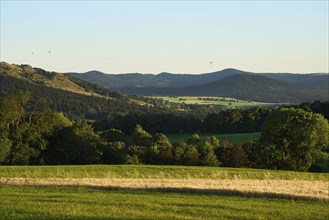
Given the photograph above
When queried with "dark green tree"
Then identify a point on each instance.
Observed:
(136, 154)
(292, 138)
(207, 152)
(232, 155)
(5, 146)
(113, 135)
(41, 126)
(114, 153)
(194, 139)
(77, 144)
(13, 128)
(12, 109)
(252, 150)
(140, 137)
(161, 151)
(139, 145)
(187, 154)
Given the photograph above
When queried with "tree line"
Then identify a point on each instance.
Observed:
(32, 134)
(225, 121)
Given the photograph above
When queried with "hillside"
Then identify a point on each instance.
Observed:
(67, 94)
(161, 80)
(268, 87)
(115, 81)
(312, 81)
(243, 86)
(129, 80)
(265, 87)
(41, 77)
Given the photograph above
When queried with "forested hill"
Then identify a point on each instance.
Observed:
(247, 87)
(74, 97)
(37, 76)
(161, 80)
(268, 87)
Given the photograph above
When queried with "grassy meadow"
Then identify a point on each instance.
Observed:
(227, 102)
(154, 172)
(160, 192)
(233, 138)
(89, 203)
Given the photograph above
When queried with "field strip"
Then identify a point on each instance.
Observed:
(275, 188)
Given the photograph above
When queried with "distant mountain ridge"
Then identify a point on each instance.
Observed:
(268, 87)
(117, 81)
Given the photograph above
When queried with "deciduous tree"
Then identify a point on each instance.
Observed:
(291, 138)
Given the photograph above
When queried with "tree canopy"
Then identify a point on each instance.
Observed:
(293, 138)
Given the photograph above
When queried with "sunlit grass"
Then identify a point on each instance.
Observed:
(220, 180)
(87, 203)
(160, 192)
(154, 172)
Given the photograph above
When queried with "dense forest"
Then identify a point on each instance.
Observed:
(75, 105)
(32, 133)
(224, 121)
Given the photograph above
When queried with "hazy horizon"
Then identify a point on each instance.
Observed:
(191, 73)
(166, 36)
(195, 73)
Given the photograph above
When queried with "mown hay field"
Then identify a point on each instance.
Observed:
(160, 192)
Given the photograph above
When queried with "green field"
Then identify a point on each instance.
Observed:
(151, 171)
(92, 202)
(233, 138)
(88, 203)
(229, 102)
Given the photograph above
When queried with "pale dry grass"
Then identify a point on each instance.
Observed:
(302, 189)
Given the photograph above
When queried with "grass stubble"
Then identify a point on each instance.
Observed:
(294, 189)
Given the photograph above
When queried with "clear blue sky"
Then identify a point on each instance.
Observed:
(166, 36)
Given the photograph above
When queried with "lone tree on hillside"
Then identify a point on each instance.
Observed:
(293, 138)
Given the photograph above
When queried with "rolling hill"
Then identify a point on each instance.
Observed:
(241, 86)
(265, 87)
(268, 87)
(63, 93)
(40, 77)
(161, 80)
(116, 81)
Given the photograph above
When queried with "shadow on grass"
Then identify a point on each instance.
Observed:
(221, 192)
(186, 190)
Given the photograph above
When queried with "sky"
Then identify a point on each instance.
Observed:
(166, 36)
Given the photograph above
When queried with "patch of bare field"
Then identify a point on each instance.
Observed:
(299, 189)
